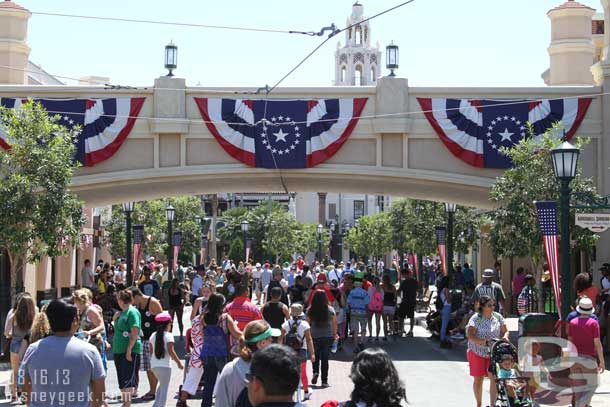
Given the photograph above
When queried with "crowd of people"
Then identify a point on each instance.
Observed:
(238, 310)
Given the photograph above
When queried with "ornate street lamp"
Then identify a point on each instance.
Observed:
(320, 230)
(565, 161)
(171, 58)
(450, 209)
(128, 210)
(391, 58)
(169, 213)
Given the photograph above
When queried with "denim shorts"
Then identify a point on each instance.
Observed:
(16, 344)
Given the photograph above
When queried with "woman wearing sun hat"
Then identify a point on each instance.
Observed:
(232, 380)
(583, 333)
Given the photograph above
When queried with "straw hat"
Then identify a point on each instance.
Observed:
(585, 306)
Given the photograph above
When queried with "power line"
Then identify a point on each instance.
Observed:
(174, 23)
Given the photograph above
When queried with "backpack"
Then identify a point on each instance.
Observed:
(216, 341)
(292, 338)
(376, 303)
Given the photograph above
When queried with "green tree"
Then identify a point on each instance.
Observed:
(152, 215)
(371, 237)
(39, 216)
(237, 251)
(514, 224)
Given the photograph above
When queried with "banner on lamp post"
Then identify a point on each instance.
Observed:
(441, 243)
(176, 243)
(138, 237)
(204, 248)
(248, 248)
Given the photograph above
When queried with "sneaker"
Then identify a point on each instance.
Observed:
(325, 384)
(306, 396)
(458, 337)
(314, 378)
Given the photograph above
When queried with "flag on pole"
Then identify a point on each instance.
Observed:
(204, 247)
(138, 237)
(248, 248)
(416, 266)
(441, 243)
(547, 219)
(176, 242)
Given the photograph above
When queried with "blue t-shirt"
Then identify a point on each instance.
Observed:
(61, 369)
(468, 275)
(149, 287)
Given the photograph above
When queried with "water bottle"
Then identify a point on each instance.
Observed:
(333, 348)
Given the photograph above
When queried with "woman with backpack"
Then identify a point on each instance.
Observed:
(389, 307)
(376, 294)
(296, 333)
(231, 387)
(161, 344)
(217, 327)
(323, 328)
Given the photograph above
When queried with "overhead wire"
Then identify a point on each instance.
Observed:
(172, 23)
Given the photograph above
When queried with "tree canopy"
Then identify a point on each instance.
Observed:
(39, 215)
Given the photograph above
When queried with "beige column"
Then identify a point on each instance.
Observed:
(571, 51)
(14, 50)
(65, 270)
(321, 208)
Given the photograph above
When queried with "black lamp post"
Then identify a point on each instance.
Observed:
(171, 58)
(391, 58)
(320, 230)
(565, 160)
(245, 226)
(450, 208)
(128, 210)
(170, 212)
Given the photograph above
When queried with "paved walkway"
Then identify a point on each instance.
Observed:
(433, 376)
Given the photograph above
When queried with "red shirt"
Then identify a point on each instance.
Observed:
(582, 332)
(243, 311)
(300, 263)
(366, 284)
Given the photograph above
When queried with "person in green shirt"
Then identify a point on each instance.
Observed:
(126, 345)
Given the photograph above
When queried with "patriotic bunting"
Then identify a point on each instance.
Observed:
(547, 219)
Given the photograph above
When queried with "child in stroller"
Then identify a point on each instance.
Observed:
(513, 390)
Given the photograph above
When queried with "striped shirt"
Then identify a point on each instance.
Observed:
(243, 311)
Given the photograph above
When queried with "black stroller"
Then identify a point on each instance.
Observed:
(512, 389)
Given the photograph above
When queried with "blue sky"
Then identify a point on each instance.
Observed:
(442, 42)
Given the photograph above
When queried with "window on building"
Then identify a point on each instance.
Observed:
(358, 36)
(381, 202)
(332, 211)
(358, 209)
(358, 80)
(343, 74)
(373, 75)
(597, 27)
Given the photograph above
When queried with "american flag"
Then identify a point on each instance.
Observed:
(138, 236)
(176, 242)
(441, 242)
(547, 219)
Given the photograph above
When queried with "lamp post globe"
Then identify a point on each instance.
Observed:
(171, 58)
(391, 58)
(565, 161)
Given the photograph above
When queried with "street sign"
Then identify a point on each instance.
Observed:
(595, 222)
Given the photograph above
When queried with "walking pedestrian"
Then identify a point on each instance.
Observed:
(408, 301)
(323, 328)
(175, 296)
(444, 306)
(490, 288)
(62, 367)
(20, 326)
(217, 327)
(376, 308)
(231, 386)
(584, 333)
(148, 308)
(389, 308)
(296, 333)
(91, 322)
(126, 345)
(482, 327)
(275, 312)
(191, 381)
(357, 301)
(150, 287)
(161, 346)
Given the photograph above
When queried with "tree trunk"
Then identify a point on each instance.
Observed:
(16, 263)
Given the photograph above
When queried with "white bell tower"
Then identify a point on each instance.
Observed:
(357, 63)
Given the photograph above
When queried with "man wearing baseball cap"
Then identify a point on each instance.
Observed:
(490, 288)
